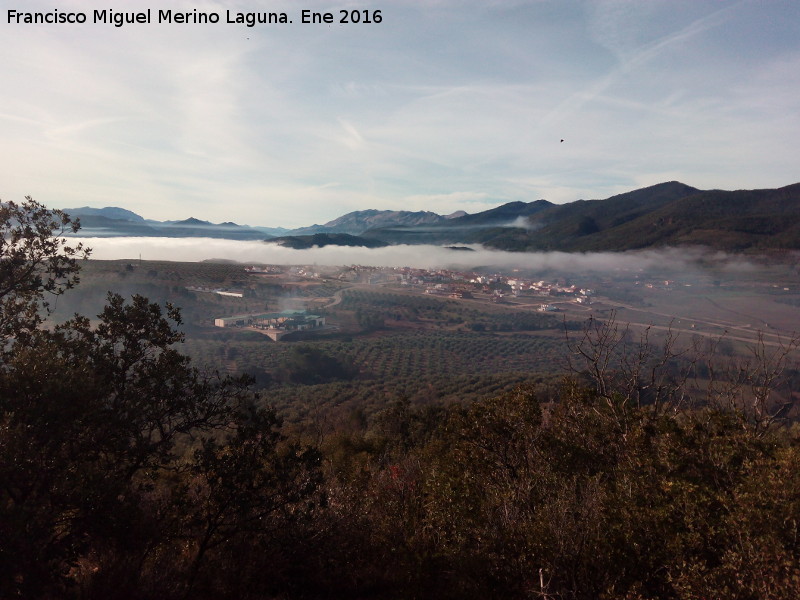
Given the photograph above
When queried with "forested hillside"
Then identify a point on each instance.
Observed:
(668, 214)
(321, 240)
(125, 472)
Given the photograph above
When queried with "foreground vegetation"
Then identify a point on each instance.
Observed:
(127, 473)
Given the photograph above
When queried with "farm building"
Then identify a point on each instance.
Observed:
(275, 325)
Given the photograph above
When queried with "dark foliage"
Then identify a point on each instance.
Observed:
(121, 467)
(309, 365)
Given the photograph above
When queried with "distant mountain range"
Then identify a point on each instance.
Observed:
(666, 214)
(115, 222)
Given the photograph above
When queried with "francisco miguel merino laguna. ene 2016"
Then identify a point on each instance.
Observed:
(118, 19)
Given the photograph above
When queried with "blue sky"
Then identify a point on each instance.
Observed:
(446, 105)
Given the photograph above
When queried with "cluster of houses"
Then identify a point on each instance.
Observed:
(268, 270)
(463, 284)
(306, 272)
(459, 284)
(543, 288)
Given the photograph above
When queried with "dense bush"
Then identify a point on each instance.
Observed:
(579, 499)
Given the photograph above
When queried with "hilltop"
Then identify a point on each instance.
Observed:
(357, 222)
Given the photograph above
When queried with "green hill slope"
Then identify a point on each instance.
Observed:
(663, 215)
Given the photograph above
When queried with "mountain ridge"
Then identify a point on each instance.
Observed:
(359, 221)
(113, 221)
(669, 213)
(672, 214)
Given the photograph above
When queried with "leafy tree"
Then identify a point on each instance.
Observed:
(98, 426)
(35, 263)
(90, 416)
(369, 320)
(248, 484)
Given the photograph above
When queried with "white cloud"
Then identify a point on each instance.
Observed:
(198, 249)
(441, 104)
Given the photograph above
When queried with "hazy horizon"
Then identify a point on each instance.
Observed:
(420, 256)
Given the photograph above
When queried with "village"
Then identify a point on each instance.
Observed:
(641, 298)
(496, 288)
(438, 282)
(499, 286)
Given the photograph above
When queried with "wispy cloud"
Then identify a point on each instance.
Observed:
(454, 104)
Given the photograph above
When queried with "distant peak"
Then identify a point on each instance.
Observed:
(109, 212)
(192, 221)
(670, 185)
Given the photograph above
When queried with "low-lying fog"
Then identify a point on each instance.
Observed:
(199, 249)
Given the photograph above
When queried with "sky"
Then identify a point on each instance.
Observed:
(444, 105)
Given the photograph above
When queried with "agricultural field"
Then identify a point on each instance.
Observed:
(385, 345)
(387, 342)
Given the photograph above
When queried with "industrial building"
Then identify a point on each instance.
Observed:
(275, 325)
